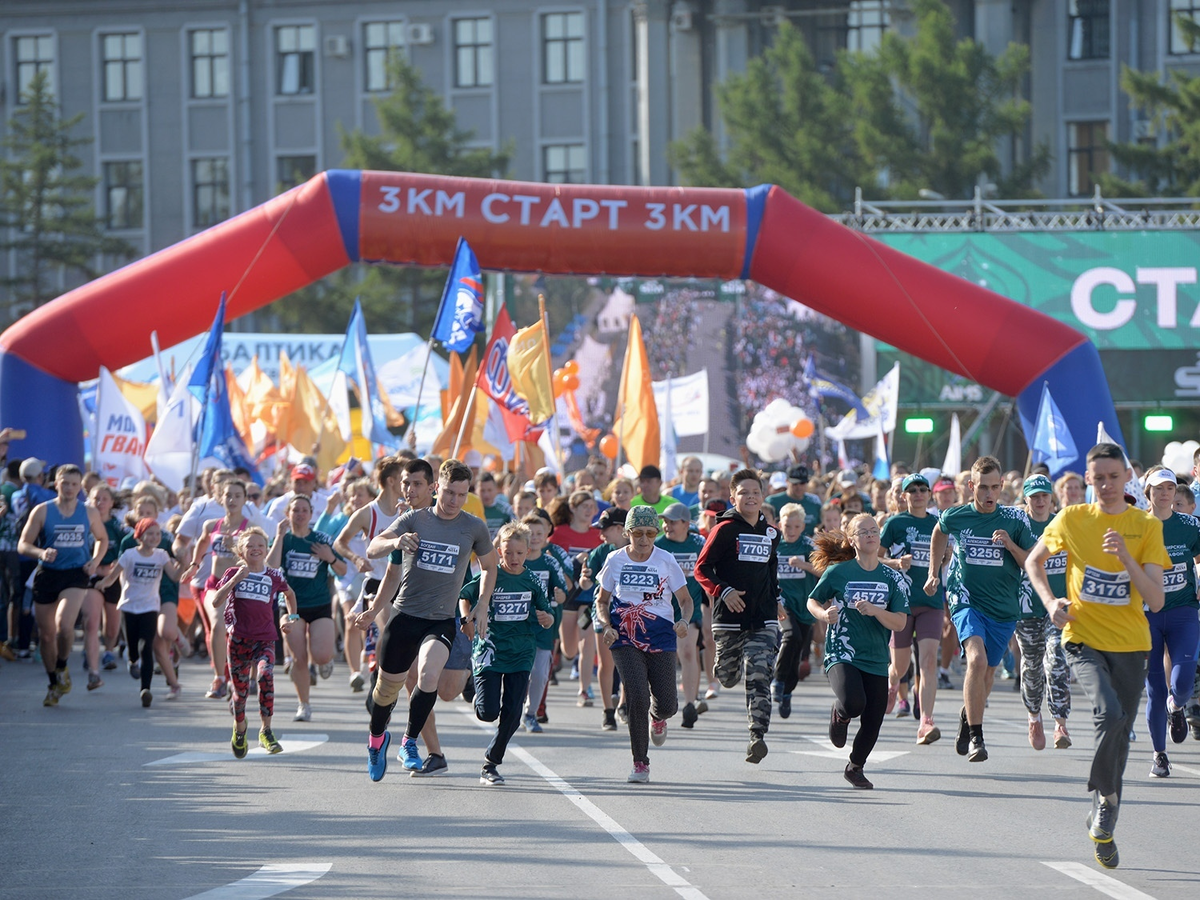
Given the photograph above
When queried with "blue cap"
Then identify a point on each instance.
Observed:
(916, 479)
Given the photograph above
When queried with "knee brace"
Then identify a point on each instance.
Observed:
(386, 692)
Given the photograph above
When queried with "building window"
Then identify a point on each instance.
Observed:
(866, 22)
(1087, 29)
(383, 42)
(564, 163)
(122, 55)
(34, 54)
(210, 191)
(472, 53)
(1188, 9)
(562, 48)
(1087, 154)
(123, 192)
(210, 63)
(295, 59)
(294, 170)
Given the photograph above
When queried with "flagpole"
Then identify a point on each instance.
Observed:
(621, 399)
(555, 436)
(463, 424)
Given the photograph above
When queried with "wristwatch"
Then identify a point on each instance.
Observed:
(293, 617)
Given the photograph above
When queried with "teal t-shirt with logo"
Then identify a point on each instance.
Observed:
(513, 627)
(685, 554)
(907, 535)
(1056, 571)
(983, 575)
(810, 502)
(307, 576)
(496, 517)
(549, 572)
(1181, 535)
(795, 584)
(861, 641)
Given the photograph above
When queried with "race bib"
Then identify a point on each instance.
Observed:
(872, 591)
(218, 546)
(920, 551)
(1056, 564)
(511, 606)
(255, 587)
(981, 552)
(302, 565)
(638, 578)
(687, 562)
(790, 573)
(145, 572)
(753, 548)
(1109, 588)
(68, 537)
(1175, 578)
(433, 556)
(544, 577)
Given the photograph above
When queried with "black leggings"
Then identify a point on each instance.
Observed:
(859, 696)
(796, 638)
(142, 627)
(500, 695)
(649, 680)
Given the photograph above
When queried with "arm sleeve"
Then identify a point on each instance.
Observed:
(229, 573)
(1052, 537)
(823, 591)
(483, 538)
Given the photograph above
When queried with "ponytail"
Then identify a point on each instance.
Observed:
(831, 547)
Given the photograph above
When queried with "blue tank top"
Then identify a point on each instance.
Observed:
(68, 535)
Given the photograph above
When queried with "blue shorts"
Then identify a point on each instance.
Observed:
(460, 652)
(995, 635)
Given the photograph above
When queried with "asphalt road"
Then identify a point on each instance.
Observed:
(102, 798)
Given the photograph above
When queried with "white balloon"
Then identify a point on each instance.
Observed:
(1179, 457)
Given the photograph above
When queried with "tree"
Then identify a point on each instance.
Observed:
(418, 133)
(46, 214)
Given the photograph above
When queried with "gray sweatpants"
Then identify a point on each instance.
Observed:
(1043, 662)
(749, 654)
(650, 692)
(1113, 682)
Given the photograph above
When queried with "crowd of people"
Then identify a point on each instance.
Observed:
(447, 578)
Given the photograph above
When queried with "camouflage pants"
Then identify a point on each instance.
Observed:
(750, 654)
(1043, 662)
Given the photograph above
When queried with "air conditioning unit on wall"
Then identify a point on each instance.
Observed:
(337, 46)
(419, 33)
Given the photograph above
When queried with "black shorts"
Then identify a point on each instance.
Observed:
(369, 588)
(48, 584)
(574, 604)
(112, 593)
(312, 613)
(402, 637)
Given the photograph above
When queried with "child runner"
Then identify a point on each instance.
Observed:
(612, 529)
(796, 581)
(860, 600)
(685, 546)
(502, 659)
(552, 577)
(247, 592)
(146, 506)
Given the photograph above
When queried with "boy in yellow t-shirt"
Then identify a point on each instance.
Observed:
(1115, 561)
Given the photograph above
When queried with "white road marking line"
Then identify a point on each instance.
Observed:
(640, 851)
(1103, 883)
(292, 743)
(828, 751)
(1187, 769)
(267, 882)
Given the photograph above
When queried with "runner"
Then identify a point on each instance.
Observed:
(687, 492)
(495, 513)
(796, 581)
(577, 539)
(797, 492)
(430, 552)
(685, 546)
(859, 600)
(307, 558)
(983, 589)
(104, 603)
(650, 490)
(1042, 659)
(738, 568)
(1115, 562)
(1175, 628)
(550, 573)
(503, 657)
(56, 534)
(641, 628)
(245, 599)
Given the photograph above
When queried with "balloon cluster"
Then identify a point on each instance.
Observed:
(566, 378)
(778, 430)
(1178, 457)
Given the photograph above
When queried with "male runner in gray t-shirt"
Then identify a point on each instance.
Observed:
(431, 549)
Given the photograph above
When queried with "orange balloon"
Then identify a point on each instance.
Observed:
(803, 428)
(560, 385)
(608, 446)
(571, 381)
(571, 368)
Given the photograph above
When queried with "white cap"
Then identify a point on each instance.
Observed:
(1161, 476)
(779, 479)
(473, 458)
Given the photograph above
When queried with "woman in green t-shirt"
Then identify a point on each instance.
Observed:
(861, 600)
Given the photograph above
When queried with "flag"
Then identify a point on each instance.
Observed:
(120, 434)
(460, 314)
(220, 443)
(238, 407)
(339, 407)
(667, 463)
(637, 424)
(880, 404)
(842, 456)
(575, 417)
(495, 381)
(265, 406)
(820, 387)
(495, 428)
(529, 370)
(142, 394)
(689, 402)
(356, 363)
(1133, 487)
(443, 445)
(883, 466)
(1052, 441)
(314, 429)
(209, 363)
(169, 450)
(953, 464)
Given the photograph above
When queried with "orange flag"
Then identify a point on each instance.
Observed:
(142, 394)
(529, 369)
(459, 408)
(636, 426)
(314, 429)
(238, 407)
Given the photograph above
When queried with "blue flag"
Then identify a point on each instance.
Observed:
(820, 387)
(1052, 441)
(210, 357)
(883, 466)
(218, 438)
(356, 363)
(460, 315)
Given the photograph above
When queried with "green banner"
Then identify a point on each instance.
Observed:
(1126, 290)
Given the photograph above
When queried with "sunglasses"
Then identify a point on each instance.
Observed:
(644, 533)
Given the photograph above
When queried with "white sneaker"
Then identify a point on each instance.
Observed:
(356, 682)
(326, 669)
(174, 693)
(658, 732)
(303, 713)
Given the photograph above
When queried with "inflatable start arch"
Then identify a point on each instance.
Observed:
(339, 217)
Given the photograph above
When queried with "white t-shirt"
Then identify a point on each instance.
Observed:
(278, 508)
(641, 598)
(140, 579)
(207, 510)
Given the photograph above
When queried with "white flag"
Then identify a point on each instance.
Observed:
(689, 404)
(169, 450)
(494, 431)
(1133, 487)
(120, 434)
(666, 429)
(953, 464)
(339, 405)
(881, 402)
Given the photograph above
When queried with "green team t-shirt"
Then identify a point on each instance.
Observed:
(1056, 570)
(795, 584)
(116, 531)
(685, 554)
(1181, 534)
(595, 562)
(854, 638)
(983, 575)
(496, 517)
(905, 534)
(812, 508)
(663, 501)
(307, 576)
(512, 622)
(548, 572)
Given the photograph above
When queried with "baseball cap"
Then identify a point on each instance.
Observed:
(931, 474)
(778, 480)
(1040, 484)
(304, 472)
(32, 468)
(473, 458)
(641, 517)
(944, 483)
(914, 480)
(798, 473)
(614, 515)
(650, 472)
(1160, 476)
(716, 506)
(677, 512)
(847, 477)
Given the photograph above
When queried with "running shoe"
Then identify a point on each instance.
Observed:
(238, 743)
(640, 773)
(623, 714)
(1062, 740)
(541, 717)
(490, 777)
(805, 669)
(1107, 856)
(1161, 767)
(712, 693)
(108, 660)
(409, 756)
(838, 728)
(218, 691)
(903, 710)
(893, 692)
(962, 742)
(266, 740)
(1176, 722)
(776, 691)
(435, 764)
(356, 682)
(51, 697)
(658, 732)
(785, 706)
(701, 707)
(174, 693)
(7, 652)
(928, 732)
(532, 726)
(312, 674)
(575, 670)
(64, 682)
(978, 752)
(377, 758)
(583, 699)
(610, 721)
(854, 775)
(944, 682)
(135, 670)
(1037, 734)
(1102, 820)
(756, 750)
(325, 669)
(147, 698)
(689, 716)
(94, 681)
(1191, 712)
(303, 713)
